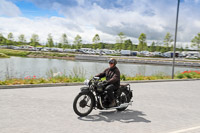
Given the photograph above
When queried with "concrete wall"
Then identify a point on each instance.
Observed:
(142, 61)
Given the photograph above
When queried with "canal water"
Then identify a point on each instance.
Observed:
(18, 67)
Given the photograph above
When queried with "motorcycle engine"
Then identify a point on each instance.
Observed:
(100, 87)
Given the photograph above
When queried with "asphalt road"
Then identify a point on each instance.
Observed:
(161, 107)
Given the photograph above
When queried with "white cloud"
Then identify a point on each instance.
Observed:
(43, 26)
(153, 18)
(80, 2)
(7, 8)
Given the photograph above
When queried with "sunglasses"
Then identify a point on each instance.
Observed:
(111, 63)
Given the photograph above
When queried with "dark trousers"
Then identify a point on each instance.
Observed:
(110, 90)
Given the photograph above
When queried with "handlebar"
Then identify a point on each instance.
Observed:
(96, 78)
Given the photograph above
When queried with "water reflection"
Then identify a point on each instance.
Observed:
(22, 67)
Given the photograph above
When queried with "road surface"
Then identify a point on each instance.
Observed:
(161, 107)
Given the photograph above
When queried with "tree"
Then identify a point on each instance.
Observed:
(120, 41)
(2, 39)
(128, 45)
(1, 35)
(21, 38)
(167, 41)
(121, 37)
(34, 40)
(50, 42)
(10, 37)
(78, 42)
(101, 45)
(196, 41)
(181, 48)
(142, 42)
(152, 47)
(64, 41)
(186, 47)
(95, 40)
(158, 47)
(172, 48)
(60, 45)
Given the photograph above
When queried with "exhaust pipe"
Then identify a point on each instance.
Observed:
(122, 105)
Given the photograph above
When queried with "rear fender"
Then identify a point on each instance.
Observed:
(127, 89)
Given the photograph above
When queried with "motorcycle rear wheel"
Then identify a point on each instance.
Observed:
(81, 103)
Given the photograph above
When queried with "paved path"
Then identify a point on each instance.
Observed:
(162, 107)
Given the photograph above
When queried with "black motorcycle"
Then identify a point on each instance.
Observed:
(95, 97)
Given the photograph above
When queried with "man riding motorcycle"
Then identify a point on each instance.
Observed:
(112, 81)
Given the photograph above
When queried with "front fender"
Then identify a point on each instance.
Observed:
(84, 89)
(87, 90)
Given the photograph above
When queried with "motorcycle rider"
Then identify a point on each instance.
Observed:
(112, 81)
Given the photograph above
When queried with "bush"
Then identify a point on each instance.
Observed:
(180, 76)
(123, 77)
(2, 55)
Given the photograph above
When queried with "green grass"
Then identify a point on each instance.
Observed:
(157, 76)
(2, 55)
(11, 52)
(22, 53)
(51, 54)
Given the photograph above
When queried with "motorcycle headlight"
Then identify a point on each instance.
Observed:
(86, 82)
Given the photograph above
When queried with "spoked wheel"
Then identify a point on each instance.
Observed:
(83, 104)
(123, 99)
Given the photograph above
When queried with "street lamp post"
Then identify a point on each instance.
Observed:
(175, 39)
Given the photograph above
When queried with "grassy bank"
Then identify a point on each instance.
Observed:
(11, 52)
(78, 77)
(2, 55)
(34, 54)
(49, 54)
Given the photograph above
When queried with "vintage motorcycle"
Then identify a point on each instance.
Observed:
(93, 96)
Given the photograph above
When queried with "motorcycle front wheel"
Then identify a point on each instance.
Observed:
(83, 104)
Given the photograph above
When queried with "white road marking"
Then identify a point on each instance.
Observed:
(185, 130)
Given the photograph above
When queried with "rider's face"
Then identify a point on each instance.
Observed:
(111, 65)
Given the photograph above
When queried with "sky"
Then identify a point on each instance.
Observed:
(104, 17)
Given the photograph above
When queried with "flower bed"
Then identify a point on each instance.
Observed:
(69, 79)
(34, 80)
(188, 75)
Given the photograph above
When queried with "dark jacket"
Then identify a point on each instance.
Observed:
(112, 76)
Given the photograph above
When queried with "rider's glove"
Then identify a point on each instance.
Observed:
(105, 82)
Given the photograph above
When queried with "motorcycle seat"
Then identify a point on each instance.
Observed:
(124, 85)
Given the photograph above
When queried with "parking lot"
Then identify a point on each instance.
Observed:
(90, 51)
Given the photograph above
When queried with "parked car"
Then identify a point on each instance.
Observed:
(192, 57)
(125, 52)
(134, 53)
(38, 48)
(45, 49)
